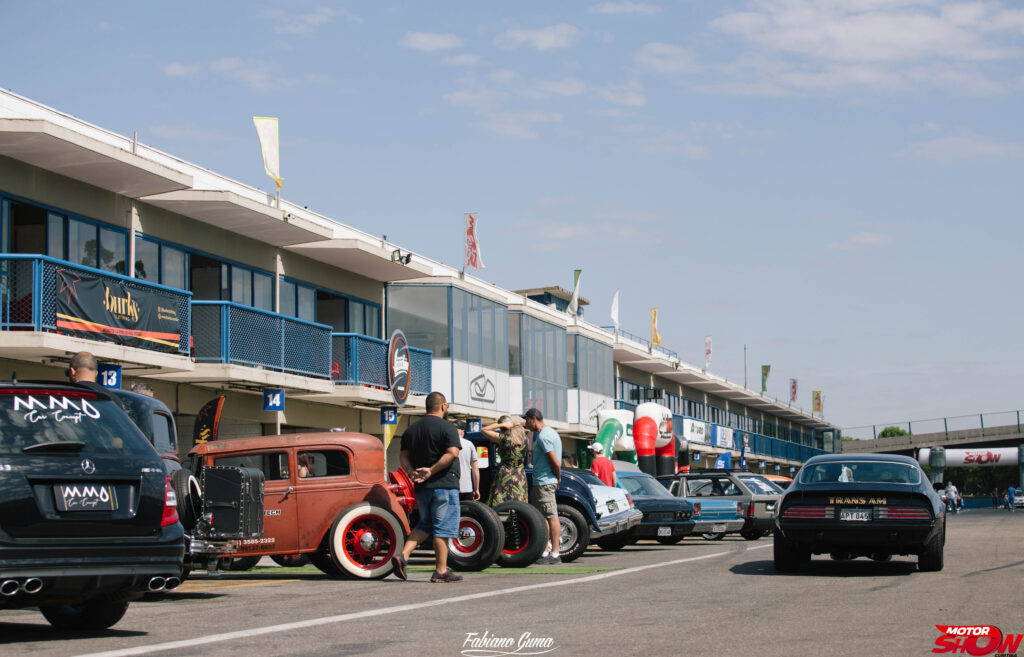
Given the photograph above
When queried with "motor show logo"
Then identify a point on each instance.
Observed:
(399, 372)
(485, 644)
(482, 389)
(976, 640)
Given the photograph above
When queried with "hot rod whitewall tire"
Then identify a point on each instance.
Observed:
(575, 533)
(481, 538)
(526, 534)
(364, 538)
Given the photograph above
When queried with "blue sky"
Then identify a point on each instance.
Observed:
(834, 184)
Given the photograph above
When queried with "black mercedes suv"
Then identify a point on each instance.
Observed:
(88, 519)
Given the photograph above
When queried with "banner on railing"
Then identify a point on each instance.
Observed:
(105, 309)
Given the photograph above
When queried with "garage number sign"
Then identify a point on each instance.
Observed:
(273, 399)
(399, 372)
(389, 415)
(109, 376)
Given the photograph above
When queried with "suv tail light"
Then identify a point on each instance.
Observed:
(170, 505)
(750, 510)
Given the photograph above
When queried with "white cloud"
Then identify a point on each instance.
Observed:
(625, 8)
(176, 70)
(671, 142)
(547, 38)
(255, 74)
(664, 58)
(627, 95)
(503, 76)
(957, 149)
(465, 59)
(477, 99)
(546, 88)
(429, 41)
(862, 240)
(518, 125)
(306, 24)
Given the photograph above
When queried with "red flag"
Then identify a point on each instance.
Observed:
(473, 257)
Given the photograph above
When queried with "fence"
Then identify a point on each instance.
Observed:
(362, 360)
(943, 425)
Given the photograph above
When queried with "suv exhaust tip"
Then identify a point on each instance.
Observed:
(156, 584)
(171, 583)
(10, 587)
(32, 585)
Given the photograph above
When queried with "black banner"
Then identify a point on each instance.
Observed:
(101, 309)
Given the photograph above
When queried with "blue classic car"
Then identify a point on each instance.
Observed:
(852, 505)
(667, 518)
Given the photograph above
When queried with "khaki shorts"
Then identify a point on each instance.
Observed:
(543, 497)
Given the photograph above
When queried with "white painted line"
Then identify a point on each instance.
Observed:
(341, 618)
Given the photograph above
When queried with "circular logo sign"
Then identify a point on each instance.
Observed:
(399, 370)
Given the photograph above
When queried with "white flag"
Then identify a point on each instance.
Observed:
(707, 352)
(615, 310)
(574, 302)
(266, 128)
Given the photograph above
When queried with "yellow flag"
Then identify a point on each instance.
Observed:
(655, 336)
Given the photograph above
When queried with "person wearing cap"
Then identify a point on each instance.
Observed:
(547, 471)
(602, 466)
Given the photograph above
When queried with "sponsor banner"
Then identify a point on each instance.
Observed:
(977, 456)
(722, 436)
(695, 431)
(208, 421)
(105, 309)
(399, 369)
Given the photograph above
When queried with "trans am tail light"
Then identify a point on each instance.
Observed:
(170, 505)
(903, 513)
(808, 512)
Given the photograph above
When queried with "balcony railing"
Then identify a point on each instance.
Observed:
(759, 445)
(29, 286)
(362, 360)
(643, 341)
(227, 332)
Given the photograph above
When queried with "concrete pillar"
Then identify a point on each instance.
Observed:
(1020, 468)
(937, 462)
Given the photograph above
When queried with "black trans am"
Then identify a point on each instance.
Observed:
(870, 505)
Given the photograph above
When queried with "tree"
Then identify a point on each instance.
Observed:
(892, 432)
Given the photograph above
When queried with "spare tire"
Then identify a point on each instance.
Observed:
(481, 538)
(526, 534)
(189, 496)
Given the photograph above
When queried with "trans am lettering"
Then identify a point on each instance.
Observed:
(857, 500)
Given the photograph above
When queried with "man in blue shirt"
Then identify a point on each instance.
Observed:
(547, 470)
(1012, 495)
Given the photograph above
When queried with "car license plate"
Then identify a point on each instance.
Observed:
(855, 515)
(718, 529)
(664, 531)
(612, 506)
(85, 497)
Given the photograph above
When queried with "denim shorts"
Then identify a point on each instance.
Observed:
(439, 511)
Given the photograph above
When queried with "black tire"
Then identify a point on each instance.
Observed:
(787, 556)
(575, 533)
(363, 539)
(325, 563)
(481, 538)
(189, 495)
(931, 560)
(526, 534)
(96, 614)
(290, 560)
(751, 535)
(616, 541)
(238, 564)
(669, 540)
(713, 536)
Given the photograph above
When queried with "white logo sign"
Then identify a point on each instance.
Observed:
(485, 644)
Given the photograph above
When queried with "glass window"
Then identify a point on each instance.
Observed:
(262, 291)
(55, 236)
(83, 243)
(274, 465)
(147, 260)
(572, 373)
(287, 298)
(27, 229)
(514, 350)
(113, 251)
(372, 321)
(307, 303)
(204, 275)
(241, 286)
(172, 272)
(356, 317)
(323, 463)
(421, 312)
(163, 433)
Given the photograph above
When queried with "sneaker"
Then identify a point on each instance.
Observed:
(554, 560)
(398, 567)
(448, 576)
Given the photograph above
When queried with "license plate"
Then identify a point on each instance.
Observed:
(612, 506)
(718, 529)
(855, 515)
(664, 531)
(85, 497)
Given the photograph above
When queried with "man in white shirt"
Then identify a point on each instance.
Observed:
(469, 469)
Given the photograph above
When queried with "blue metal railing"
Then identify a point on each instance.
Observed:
(227, 332)
(29, 286)
(362, 360)
(760, 445)
(644, 341)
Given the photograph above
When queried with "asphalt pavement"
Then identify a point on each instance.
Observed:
(699, 597)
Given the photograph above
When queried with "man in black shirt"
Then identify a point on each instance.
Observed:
(430, 452)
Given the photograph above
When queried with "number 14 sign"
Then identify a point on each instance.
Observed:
(273, 399)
